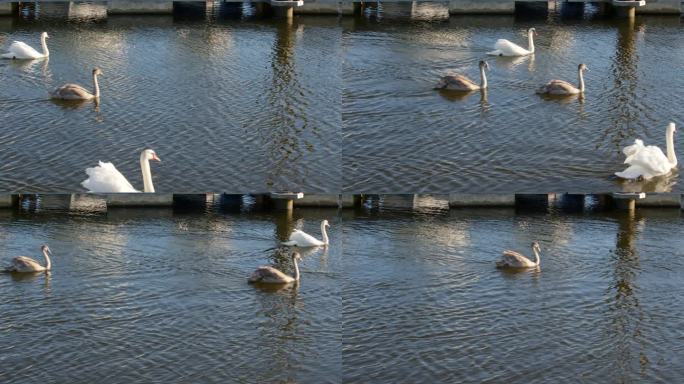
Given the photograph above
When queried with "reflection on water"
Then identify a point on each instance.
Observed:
(250, 100)
(606, 304)
(520, 142)
(135, 293)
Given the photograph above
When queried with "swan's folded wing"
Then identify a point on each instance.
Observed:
(302, 238)
(19, 48)
(652, 159)
(634, 172)
(105, 178)
(633, 149)
(510, 49)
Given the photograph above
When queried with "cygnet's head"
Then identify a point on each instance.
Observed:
(45, 248)
(484, 64)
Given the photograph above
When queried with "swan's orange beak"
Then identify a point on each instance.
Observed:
(156, 158)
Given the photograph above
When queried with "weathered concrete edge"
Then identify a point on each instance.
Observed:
(481, 200)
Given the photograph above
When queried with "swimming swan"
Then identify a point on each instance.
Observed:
(270, 275)
(504, 47)
(302, 239)
(23, 264)
(647, 162)
(462, 83)
(76, 92)
(561, 87)
(105, 178)
(23, 51)
(512, 259)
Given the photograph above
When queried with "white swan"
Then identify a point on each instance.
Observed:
(504, 47)
(647, 162)
(512, 259)
(302, 239)
(23, 264)
(561, 87)
(76, 92)
(23, 51)
(105, 178)
(270, 275)
(462, 83)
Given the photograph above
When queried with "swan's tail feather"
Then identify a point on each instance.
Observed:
(441, 84)
(633, 172)
(496, 52)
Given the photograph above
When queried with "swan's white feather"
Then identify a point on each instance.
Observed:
(505, 47)
(20, 50)
(644, 161)
(302, 239)
(105, 178)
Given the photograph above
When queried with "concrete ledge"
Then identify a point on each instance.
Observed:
(131, 7)
(5, 9)
(398, 201)
(481, 200)
(139, 199)
(315, 7)
(663, 200)
(671, 7)
(7, 201)
(332, 201)
(481, 6)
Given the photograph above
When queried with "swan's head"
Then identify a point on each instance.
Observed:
(97, 71)
(536, 246)
(150, 154)
(44, 35)
(582, 67)
(325, 223)
(532, 31)
(484, 64)
(45, 249)
(671, 128)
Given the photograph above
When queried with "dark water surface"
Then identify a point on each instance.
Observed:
(401, 136)
(424, 303)
(228, 104)
(159, 297)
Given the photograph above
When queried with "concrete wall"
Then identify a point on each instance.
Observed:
(661, 6)
(5, 9)
(139, 7)
(317, 7)
(481, 6)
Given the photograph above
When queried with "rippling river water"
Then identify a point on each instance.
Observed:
(401, 136)
(424, 302)
(157, 296)
(229, 104)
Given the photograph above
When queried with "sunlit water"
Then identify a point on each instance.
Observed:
(159, 297)
(229, 104)
(424, 303)
(401, 136)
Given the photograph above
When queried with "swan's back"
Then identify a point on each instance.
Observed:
(512, 259)
(266, 274)
(20, 50)
(302, 239)
(504, 47)
(105, 178)
(24, 264)
(651, 159)
(72, 92)
(558, 87)
(457, 83)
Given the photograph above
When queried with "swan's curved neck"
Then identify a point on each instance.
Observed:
(97, 86)
(46, 53)
(296, 269)
(530, 42)
(483, 77)
(324, 234)
(669, 142)
(48, 263)
(581, 81)
(146, 174)
(536, 255)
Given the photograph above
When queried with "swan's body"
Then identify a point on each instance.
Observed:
(512, 259)
(105, 178)
(302, 239)
(462, 83)
(270, 275)
(23, 264)
(504, 47)
(76, 92)
(647, 162)
(22, 51)
(560, 87)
